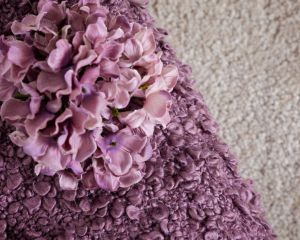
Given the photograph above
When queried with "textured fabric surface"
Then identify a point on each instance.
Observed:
(191, 189)
(245, 59)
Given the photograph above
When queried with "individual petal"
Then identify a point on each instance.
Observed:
(120, 162)
(14, 109)
(157, 103)
(148, 127)
(143, 155)
(133, 119)
(79, 119)
(20, 53)
(88, 180)
(129, 79)
(110, 50)
(87, 147)
(107, 181)
(7, 89)
(18, 137)
(75, 167)
(96, 31)
(134, 176)
(170, 75)
(53, 161)
(122, 99)
(133, 49)
(61, 55)
(36, 146)
(90, 75)
(67, 181)
(76, 20)
(35, 99)
(132, 143)
(40, 121)
(52, 82)
(54, 11)
(84, 57)
(109, 69)
(147, 40)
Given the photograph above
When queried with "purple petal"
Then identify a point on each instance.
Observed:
(96, 31)
(133, 119)
(131, 178)
(120, 162)
(60, 56)
(133, 50)
(7, 89)
(14, 110)
(147, 40)
(67, 181)
(156, 104)
(109, 68)
(87, 147)
(107, 181)
(20, 54)
(51, 82)
(132, 143)
(40, 121)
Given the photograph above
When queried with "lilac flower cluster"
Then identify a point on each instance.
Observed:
(84, 91)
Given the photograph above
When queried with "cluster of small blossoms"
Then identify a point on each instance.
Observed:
(84, 91)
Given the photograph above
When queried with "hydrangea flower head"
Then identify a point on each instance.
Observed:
(84, 90)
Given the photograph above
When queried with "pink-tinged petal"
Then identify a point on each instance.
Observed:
(52, 131)
(146, 38)
(109, 89)
(90, 75)
(157, 103)
(122, 99)
(131, 178)
(96, 31)
(133, 119)
(133, 50)
(14, 109)
(35, 99)
(40, 121)
(25, 26)
(107, 181)
(20, 54)
(75, 167)
(68, 141)
(170, 75)
(87, 147)
(51, 82)
(36, 146)
(84, 57)
(164, 120)
(109, 68)
(132, 143)
(54, 11)
(77, 39)
(110, 50)
(53, 161)
(148, 127)
(79, 119)
(7, 89)
(129, 79)
(95, 104)
(60, 56)
(67, 181)
(120, 162)
(19, 138)
(76, 20)
(89, 181)
(115, 34)
(144, 155)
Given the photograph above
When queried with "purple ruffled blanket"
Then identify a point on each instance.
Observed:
(190, 190)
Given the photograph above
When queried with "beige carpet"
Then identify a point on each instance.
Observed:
(246, 61)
